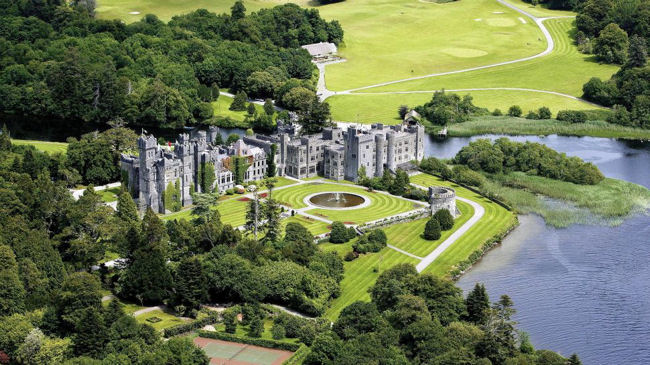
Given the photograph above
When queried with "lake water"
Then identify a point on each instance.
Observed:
(583, 289)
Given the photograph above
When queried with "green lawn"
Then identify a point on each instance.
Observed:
(382, 205)
(109, 195)
(242, 331)
(168, 320)
(49, 147)
(361, 274)
(315, 227)
(495, 220)
(232, 210)
(565, 70)
(372, 108)
(221, 110)
(408, 236)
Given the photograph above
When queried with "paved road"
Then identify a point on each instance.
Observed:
(430, 258)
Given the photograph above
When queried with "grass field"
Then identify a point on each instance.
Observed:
(315, 227)
(221, 110)
(381, 205)
(495, 220)
(519, 126)
(565, 70)
(167, 320)
(232, 210)
(49, 147)
(408, 236)
(109, 195)
(372, 108)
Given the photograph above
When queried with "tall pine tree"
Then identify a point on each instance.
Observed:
(477, 304)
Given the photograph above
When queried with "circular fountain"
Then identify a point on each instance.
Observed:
(337, 200)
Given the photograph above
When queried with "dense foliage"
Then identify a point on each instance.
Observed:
(446, 108)
(422, 319)
(504, 156)
(60, 62)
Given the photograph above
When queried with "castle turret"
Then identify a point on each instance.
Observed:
(213, 132)
(390, 150)
(379, 154)
(148, 195)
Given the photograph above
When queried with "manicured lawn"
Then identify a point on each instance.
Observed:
(539, 11)
(50, 147)
(109, 195)
(408, 236)
(233, 212)
(382, 205)
(315, 227)
(495, 220)
(242, 331)
(167, 320)
(222, 105)
(361, 274)
(372, 108)
(565, 70)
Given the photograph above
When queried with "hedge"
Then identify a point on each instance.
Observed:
(299, 356)
(191, 326)
(293, 347)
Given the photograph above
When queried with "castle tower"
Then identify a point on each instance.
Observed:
(390, 151)
(351, 154)
(184, 153)
(148, 194)
(379, 154)
(419, 142)
(213, 132)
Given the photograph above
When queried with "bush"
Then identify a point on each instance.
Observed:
(497, 112)
(256, 327)
(432, 230)
(515, 111)
(464, 175)
(572, 116)
(239, 102)
(445, 219)
(351, 256)
(435, 166)
(377, 235)
(191, 326)
(278, 332)
(620, 116)
(544, 113)
(532, 115)
(339, 233)
(251, 341)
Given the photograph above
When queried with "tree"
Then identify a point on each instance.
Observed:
(574, 360)
(637, 54)
(190, 284)
(271, 169)
(126, 209)
(239, 101)
(356, 319)
(230, 319)
(78, 292)
(515, 111)
(256, 327)
(611, 45)
(232, 138)
(207, 176)
(544, 113)
(254, 215)
(445, 219)
(238, 10)
(278, 332)
(402, 111)
(91, 334)
(204, 204)
(272, 226)
(269, 108)
(432, 229)
(400, 184)
(5, 139)
(478, 304)
(339, 233)
(251, 109)
(12, 292)
(180, 350)
(296, 232)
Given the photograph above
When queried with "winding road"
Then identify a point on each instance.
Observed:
(325, 93)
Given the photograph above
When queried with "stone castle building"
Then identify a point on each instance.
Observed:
(333, 154)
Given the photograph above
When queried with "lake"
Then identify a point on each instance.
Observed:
(582, 289)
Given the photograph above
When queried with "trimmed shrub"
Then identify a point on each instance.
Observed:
(278, 332)
(532, 115)
(191, 326)
(251, 341)
(572, 116)
(432, 230)
(445, 219)
(515, 111)
(497, 112)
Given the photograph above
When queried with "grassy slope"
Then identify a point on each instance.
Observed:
(373, 108)
(519, 126)
(565, 70)
(394, 39)
(233, 212)
(50, 147)
(408, 236)
(495, 220)
(221, 110)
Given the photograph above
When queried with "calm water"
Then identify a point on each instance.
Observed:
(583, 289)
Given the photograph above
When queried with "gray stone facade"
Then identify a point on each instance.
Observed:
(333, 154)
(443, 198)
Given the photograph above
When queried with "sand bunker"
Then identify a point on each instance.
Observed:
(134, 12)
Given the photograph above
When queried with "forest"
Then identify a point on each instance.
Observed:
(59, 62)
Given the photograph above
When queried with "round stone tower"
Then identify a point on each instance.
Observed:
(441, 197)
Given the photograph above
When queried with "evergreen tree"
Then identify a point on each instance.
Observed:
(5, 139)
(239, 102)
(574, 360)
(251, 109)
(400, 183)
(432, 230)
(190, 283)
(238, 10)
(272, 220)
(254, 214)
(445, 219)
(637, 54)
(204, 205)
(12, 292)
(230, 319)
(478, 304)
(113, 312)
(386, 180)
(219, 140)
(126, 209)
(91, 334)
(256, 327)
(268, 107)
(271, 169)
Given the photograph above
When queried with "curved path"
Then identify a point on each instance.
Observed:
(478, 214)
(324, 93)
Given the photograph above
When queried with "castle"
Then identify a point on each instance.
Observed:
(333, 154)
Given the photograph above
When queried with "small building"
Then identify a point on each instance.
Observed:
(412, 117)
(322, 50)
(441, 197)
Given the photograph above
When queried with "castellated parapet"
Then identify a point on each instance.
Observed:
(441, 197)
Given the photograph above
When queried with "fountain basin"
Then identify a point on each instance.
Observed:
(337, 200)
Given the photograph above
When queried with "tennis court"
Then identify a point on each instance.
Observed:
(232, 353)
